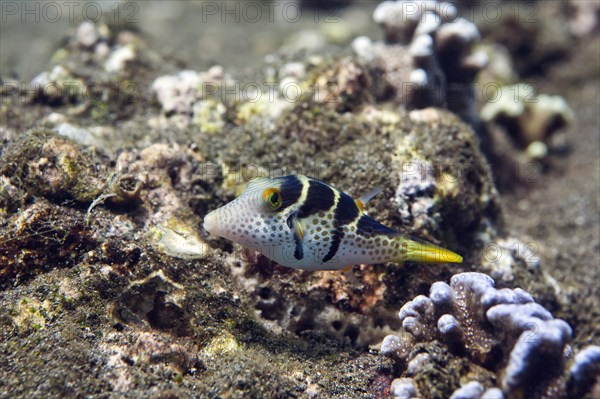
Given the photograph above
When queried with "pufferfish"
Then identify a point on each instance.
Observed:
(304, 223)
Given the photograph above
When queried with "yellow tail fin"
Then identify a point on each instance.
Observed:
(423, 252)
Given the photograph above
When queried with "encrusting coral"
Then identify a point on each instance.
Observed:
(499, 331)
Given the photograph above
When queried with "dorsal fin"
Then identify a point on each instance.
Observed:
(366, 197)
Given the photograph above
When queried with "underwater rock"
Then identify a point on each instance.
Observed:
(209, 115)
(495, 329)
(505, 257)
(344, 85)
(98, 75)
(112, 49)
(426, 187)
(31, 315)
(100, 137)
(39, 238)
(11, 197)
(153, 301)
(189, 95)
(58, 85)
(89, 34)
(147, 348)
(53, 167)
(177, 93)
(48, 170)
(292, 69)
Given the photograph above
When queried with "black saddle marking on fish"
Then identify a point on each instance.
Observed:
(336, 239)
(369, 227)
(291, 190)
(320, 197)
(299, 250)
(346, 212)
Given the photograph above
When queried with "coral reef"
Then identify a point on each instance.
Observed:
(499, 331)
(112, 156)
(128, 267)
(535, 33)
(527, 117)
(427, 57)
(363, 314)
(585, 373)
(474, 390)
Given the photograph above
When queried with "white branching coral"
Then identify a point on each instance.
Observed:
(427, 56)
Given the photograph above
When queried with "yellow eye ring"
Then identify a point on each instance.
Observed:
(272, 196)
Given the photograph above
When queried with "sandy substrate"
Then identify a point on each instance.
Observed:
(559, 212)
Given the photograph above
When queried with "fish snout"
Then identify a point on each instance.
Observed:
(211, 222)
(222, 221)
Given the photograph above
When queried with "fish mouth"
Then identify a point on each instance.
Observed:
(211, 222)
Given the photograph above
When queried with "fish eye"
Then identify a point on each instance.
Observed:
(272, 197)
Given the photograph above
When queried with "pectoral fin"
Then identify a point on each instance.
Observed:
(294, 225)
